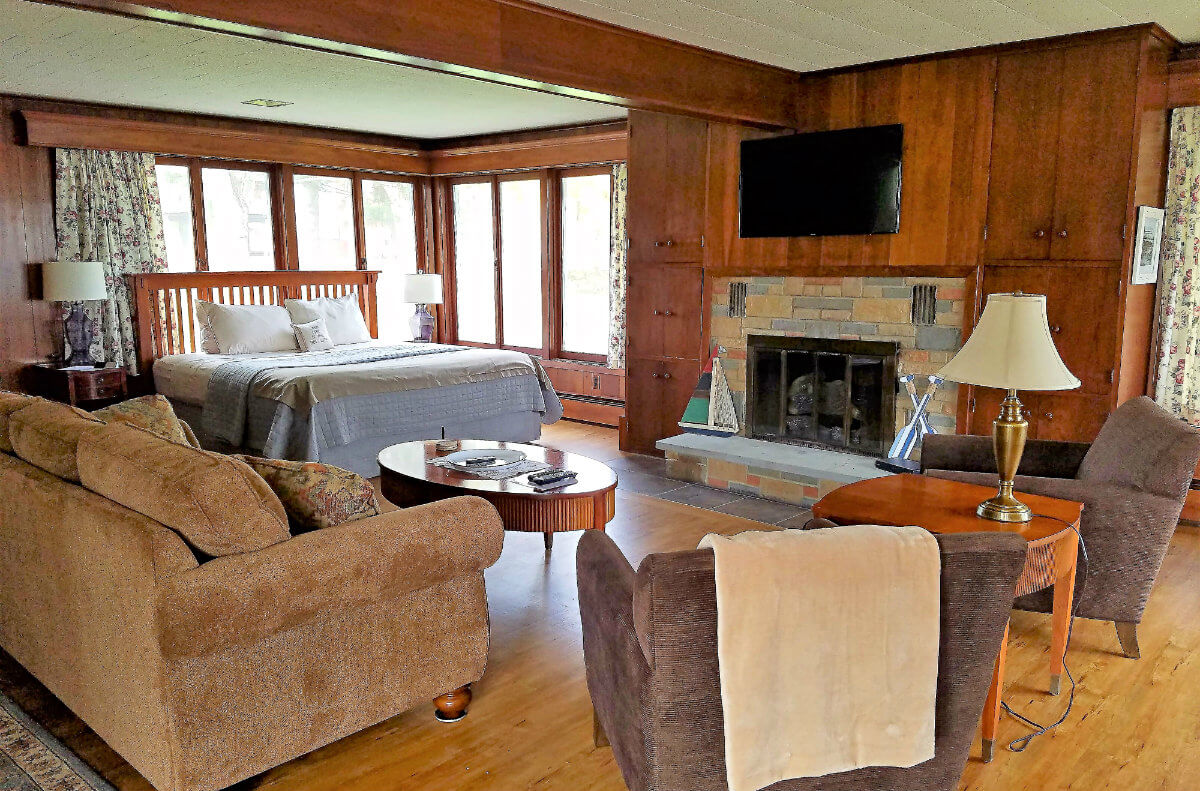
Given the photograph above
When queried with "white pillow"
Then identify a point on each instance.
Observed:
(342, 317)
(312, 336)
(244, 329)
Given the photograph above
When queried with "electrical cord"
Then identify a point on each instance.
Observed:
(1019, 745)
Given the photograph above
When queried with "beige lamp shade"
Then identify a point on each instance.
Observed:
(1011, 348)
(73, 281)
(423, 289)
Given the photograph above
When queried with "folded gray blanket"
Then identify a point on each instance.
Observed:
(230, 386)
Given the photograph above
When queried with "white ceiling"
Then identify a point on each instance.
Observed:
(86, 56)
(820, 34)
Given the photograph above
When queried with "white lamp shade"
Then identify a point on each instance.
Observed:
(423, 289)
(73, 281)
(1011, 348)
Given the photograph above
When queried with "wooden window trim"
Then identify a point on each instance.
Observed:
(559, 175)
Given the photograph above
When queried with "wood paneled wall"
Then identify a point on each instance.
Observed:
(28, 329)
(946, 108)
(1184, 82)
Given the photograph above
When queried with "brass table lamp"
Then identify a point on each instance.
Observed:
(1010, 349)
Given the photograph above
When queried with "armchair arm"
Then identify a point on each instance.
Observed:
(1044, 458)
(239, 599)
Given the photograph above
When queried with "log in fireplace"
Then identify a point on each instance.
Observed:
(838, 394)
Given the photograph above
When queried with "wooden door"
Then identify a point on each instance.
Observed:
(1068, 416)
(667, 187)
(1081, 307)
(1095, 147)
(663, 311)
(1025, 132)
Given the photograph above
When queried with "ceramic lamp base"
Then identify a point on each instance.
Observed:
(422, 324)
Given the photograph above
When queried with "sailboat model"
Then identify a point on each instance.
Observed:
(710, 409)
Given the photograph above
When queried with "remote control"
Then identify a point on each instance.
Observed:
(549, 476)
(478, 461)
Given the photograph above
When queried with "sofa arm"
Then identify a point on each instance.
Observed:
(1043, 458)
(240, 599)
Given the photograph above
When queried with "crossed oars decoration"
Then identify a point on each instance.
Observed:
(908, 437)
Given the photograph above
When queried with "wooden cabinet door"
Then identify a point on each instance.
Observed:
(1095, 146)
(667, 188)
(566, 380)
(656, 393)
(612, 386)
(663, 311)
(678, 380)
(985, 408)
(1025, 132)
(1081, 307)
(1068, 416)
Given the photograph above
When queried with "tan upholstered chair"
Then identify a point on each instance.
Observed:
(650, 646)
(1132, 481)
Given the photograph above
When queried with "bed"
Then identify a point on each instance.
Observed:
(339, 407)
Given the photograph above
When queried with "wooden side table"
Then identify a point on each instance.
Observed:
(944, 506)
(73, 386)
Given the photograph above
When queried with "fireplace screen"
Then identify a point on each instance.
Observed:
(838, 394)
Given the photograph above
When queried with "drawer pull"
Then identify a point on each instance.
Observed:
(668, 313)
(654, 376)
(1049, 416)
(667, 243)
(1055, 329)
(1039, 234)
(1062, 234)
(666, 376)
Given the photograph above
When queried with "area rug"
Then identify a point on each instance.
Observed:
(31, 759)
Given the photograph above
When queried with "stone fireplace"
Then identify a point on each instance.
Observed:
(825, 330)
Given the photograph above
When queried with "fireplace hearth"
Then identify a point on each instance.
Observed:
(830, 393)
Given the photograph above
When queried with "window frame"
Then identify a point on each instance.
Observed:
(559, 175)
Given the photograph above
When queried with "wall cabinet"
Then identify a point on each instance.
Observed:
(1062, 143)
(667, 178)
(1070, 415)
(663, 312)
(656, 393)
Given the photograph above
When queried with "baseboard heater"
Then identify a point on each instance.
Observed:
(590, 409)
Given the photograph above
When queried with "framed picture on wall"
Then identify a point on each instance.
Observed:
(1147, 244)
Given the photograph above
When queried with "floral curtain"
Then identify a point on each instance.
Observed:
(1178, 379)
(618, 277)
(106, 209)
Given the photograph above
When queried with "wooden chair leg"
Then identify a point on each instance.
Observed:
(1127, 634)
(991, 707)
(549, 539)
(599, 737)
(452, 706)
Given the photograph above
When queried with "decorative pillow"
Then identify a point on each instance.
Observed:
(9, 403)
(312, 336)
(217, 503)
(342, 317)
(317, 495)
(152, 413)
(46, 434)
(244, 329)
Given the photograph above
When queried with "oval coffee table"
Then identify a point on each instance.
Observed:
(407, 479)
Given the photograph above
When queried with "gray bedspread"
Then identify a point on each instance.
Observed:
(230, 386)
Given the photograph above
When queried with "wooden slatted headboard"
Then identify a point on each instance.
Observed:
(165, 302)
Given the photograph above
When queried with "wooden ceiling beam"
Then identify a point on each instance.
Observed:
(503, 41)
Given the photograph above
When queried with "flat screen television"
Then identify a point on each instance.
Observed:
(845, 182)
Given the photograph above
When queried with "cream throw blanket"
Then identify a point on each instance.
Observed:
(828, 649)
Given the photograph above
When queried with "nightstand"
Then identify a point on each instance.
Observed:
(72, 387)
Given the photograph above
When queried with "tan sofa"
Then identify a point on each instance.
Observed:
(201, 674)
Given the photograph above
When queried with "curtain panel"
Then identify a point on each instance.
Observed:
(106, 209)
(618, 276)
(1178, 377)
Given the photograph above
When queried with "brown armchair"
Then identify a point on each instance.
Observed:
(650, 648)
(1132, 481)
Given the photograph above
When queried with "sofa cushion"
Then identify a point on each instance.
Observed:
(46, 434)
(9, 403)
(217, 503)
(152, 412)
(316, 495)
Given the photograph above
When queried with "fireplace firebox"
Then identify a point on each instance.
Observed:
(838, 394)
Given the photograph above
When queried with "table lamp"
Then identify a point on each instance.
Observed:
(74, 282)
(1010, 349)
(424, 290)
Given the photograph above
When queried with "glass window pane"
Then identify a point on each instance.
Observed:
(324, 222)
(585, 261)
(521, 261)
(175, 197)
(237, 220)
(475, 262)
(391, 229)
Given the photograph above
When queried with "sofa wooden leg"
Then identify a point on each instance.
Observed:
(599, 737)
(1127, 634)
(548, 538)
(452, 706)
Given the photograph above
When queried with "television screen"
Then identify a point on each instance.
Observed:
(822, 183)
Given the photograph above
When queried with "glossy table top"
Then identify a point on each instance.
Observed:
(940, 506)
(411, 460)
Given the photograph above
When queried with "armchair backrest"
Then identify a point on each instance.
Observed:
(1145, 447)
(675, 618)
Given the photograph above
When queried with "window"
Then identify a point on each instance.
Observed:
(175, 197)
(237, 219)
(475, 261)
(390, 228)
(586, 252)
(521, 262)
(325, 222)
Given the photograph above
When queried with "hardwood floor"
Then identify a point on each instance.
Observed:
(1135, 724)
